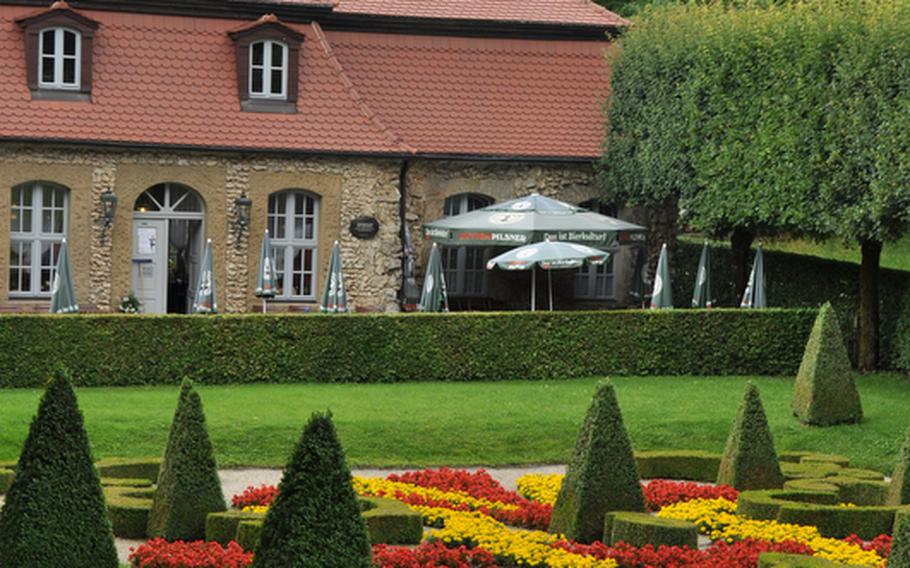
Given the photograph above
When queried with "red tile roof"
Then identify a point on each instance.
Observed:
(570, 12)
(169, 80)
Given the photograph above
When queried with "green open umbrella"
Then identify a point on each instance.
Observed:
(755, 296)
(265, 278)
(63, 295)
(531, 219)
(205, 301)
(662, 293)
(433, 297)
(701, 296)
(549, 255)
(334, 297)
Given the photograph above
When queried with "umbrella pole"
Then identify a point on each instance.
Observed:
(264, 306)
(533, 288)
(550, 287)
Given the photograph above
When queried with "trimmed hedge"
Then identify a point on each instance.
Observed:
(640, 529)
(900, 546)
(130, 468)
(813, 457)
(222, 527)
(749, 460)
(128, 509)
(601, 476)
(899, 492)
(248, 348)
(6, 480)
(691, 465)
(781, 560)
(809, 470)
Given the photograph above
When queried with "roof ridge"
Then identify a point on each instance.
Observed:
(392, 136)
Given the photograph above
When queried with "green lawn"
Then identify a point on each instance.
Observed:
(464, 423)
(894, 255)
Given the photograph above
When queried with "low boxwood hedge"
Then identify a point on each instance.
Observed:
(222, 527)
(129, 468)
(792, 456)
(691, 465)
(128, 508)
(398, 347)
(781, 560)
(640, 529)
(6, 479)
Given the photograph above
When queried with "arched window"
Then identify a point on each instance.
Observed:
(59, 58)
(596, 282)
(38, 224)
(293, 222)
(268, 70)
(464, 267)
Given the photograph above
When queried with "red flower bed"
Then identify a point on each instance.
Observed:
(434, 555)
(479, 484)
(661, 492)
(159, 553)
(255, 496)
(881, 544)
(741, 554)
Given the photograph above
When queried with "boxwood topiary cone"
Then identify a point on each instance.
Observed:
(315, 521)
(749, 460)
(55, 515)
(899, 491)
(602, 475)
(824, 393)
(900, 546)
(188, 485)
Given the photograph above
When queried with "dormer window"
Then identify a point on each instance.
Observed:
(59, 58)
(58, 53)
(268, 61)
(268, 70)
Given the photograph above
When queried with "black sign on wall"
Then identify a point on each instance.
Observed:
(365, 227)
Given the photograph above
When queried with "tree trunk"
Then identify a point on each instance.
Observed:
(867, 342)
(741, 246)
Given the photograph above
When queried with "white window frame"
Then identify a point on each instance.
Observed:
(35, 236)
(267, 68)
(455, 259)
(288, 244)
(585, 285)
(59, 57)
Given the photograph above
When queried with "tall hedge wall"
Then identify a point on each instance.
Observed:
(799, 281)
(124, 350)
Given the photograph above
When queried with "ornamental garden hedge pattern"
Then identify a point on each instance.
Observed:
(246, 348)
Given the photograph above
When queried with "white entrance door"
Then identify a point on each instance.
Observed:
(150, 264)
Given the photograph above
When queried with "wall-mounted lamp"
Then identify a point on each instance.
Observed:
(243, 205)
(108, 208)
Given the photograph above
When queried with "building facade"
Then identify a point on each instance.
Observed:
(318, 115)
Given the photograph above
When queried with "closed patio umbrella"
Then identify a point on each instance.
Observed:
(63, 295)
(334, 297)
(701, 296)
(755, 296)
(433, 297)
(548, 255)
(662, 293)
(265, 278)
(206, 301)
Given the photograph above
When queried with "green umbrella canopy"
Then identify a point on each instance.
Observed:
(63, 295)
(755, 296)
(206, 301)
(265, 278)
(433, 297)
(662, 293)
(531, 219)
(334, 297)
(701, 296)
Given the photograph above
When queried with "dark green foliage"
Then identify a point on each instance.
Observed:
(128, 509)
(54, 515)
(229, 349)
(640, 529)
(602, 475)
(749, 460)
(899, 494)
(188, 483)
(824, 393)
(678, 464)
(900, 546)
(315, 520)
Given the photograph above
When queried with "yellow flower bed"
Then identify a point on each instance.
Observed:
(523, 547)
(717, 518)
(262, 509)
(379, 487)
(542, 488)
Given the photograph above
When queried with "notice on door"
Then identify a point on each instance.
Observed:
(148, 239)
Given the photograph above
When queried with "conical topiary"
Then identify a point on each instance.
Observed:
(314, 521)
(825, 393)
(602, 475)
(188, 485)
(900, 546)
(55, 516)
(749, 460)
(899, 490)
